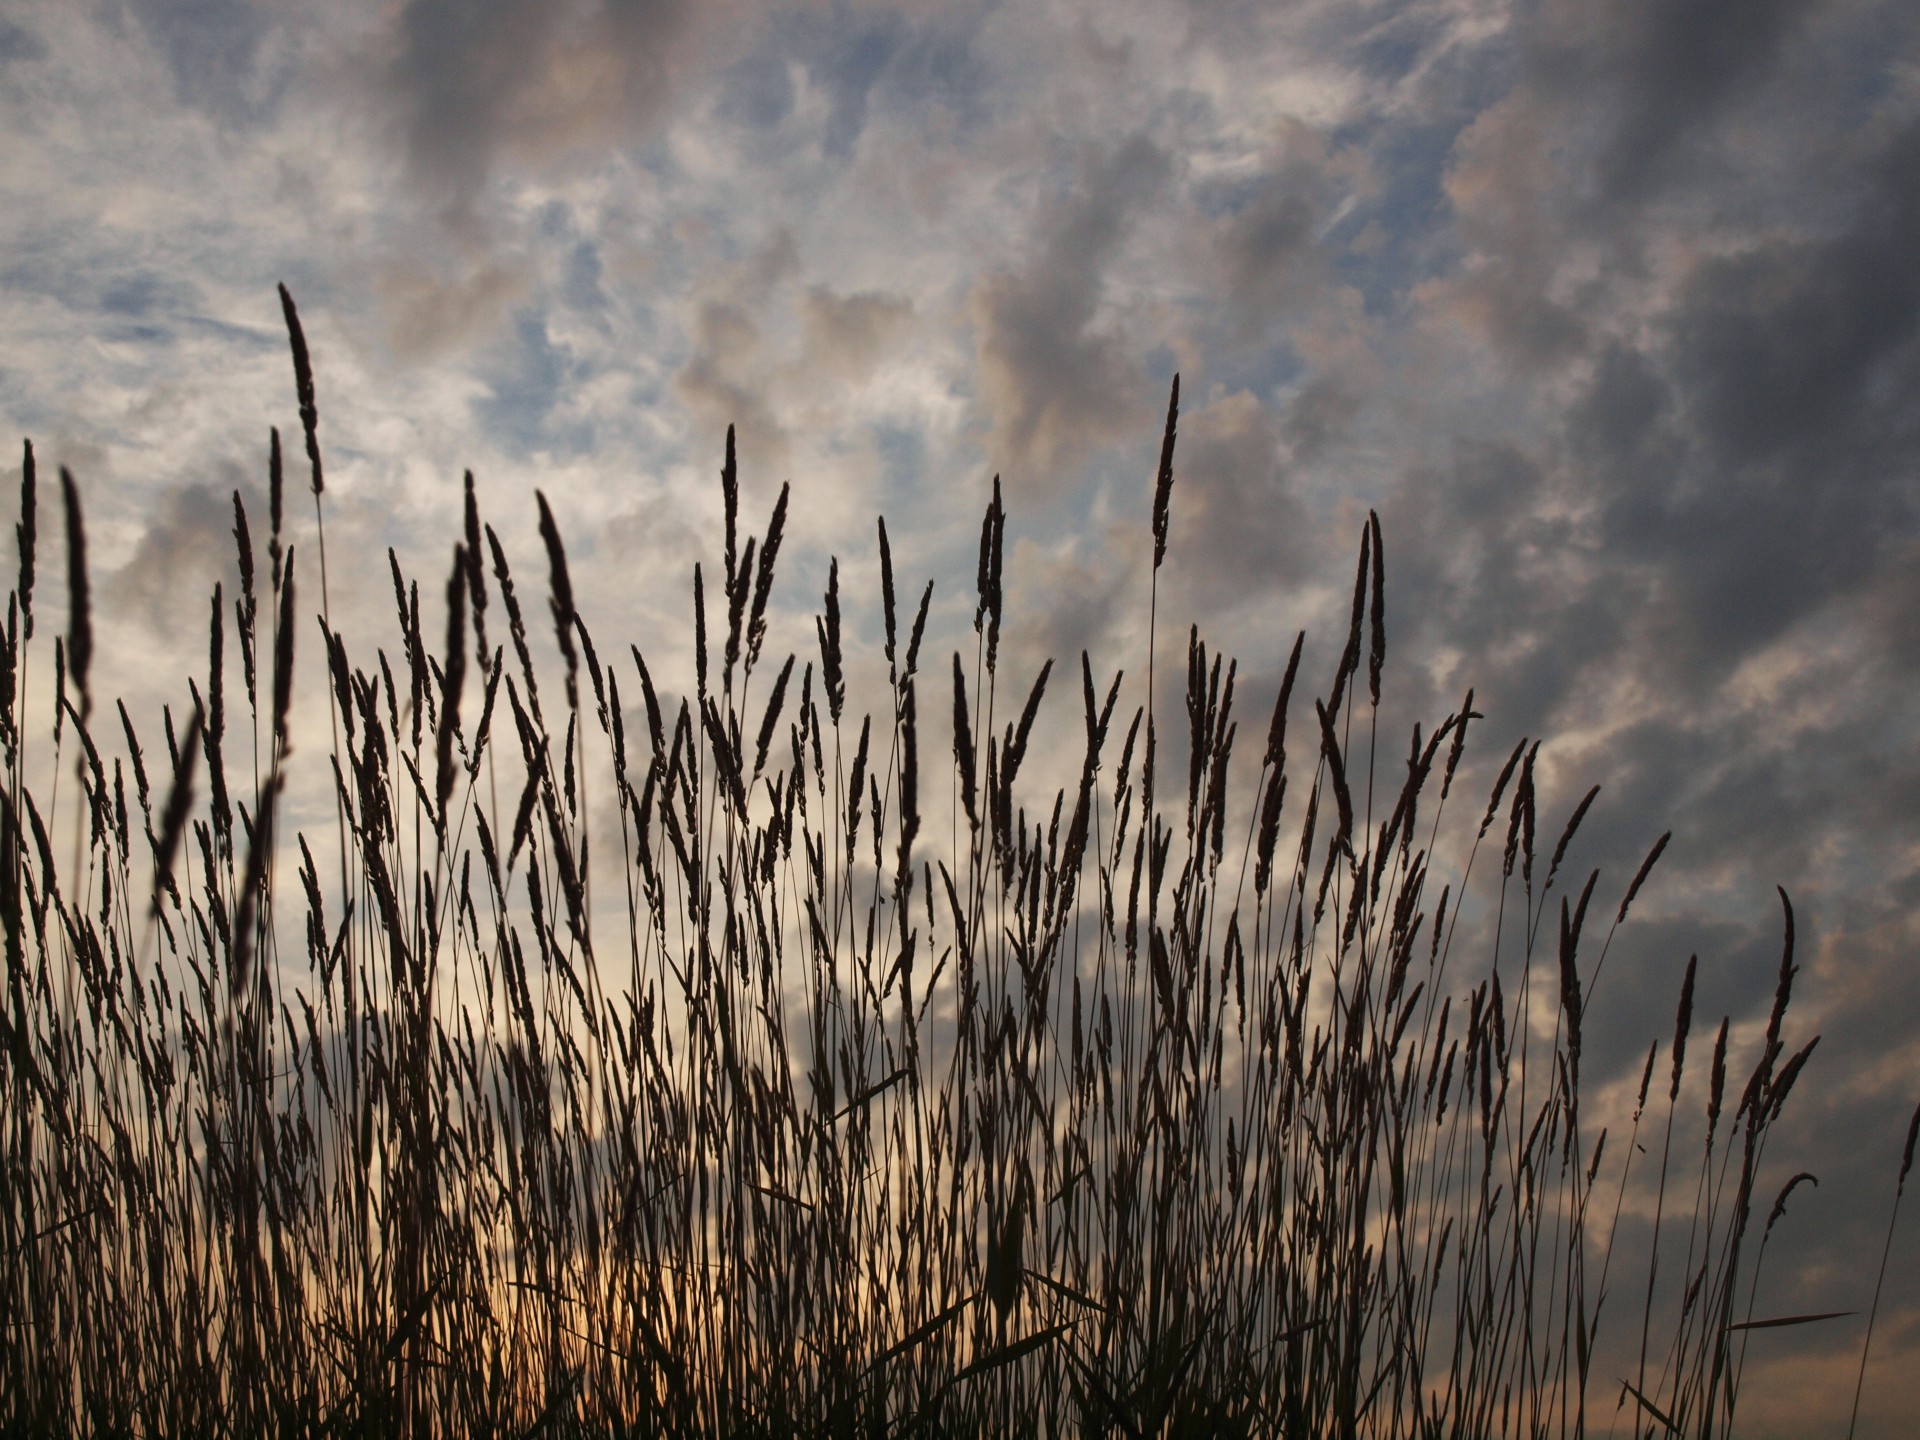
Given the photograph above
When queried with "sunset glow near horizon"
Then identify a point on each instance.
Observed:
(1610, 312)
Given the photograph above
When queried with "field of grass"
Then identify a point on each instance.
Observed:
(749, 1107)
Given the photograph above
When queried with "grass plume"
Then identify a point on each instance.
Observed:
(808, 1118)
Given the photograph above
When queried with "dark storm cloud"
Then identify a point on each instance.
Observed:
(1053, 379)
(1764, 456)
(472, 81)
(1660, 74)
(1616, 124)
(1789, 348)
(1740, 464)
(1484, 569)
(1682, 551)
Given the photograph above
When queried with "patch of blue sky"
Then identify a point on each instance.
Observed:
(57, 260)
(1400, 233)
(136, 296)
(29, 408)
(575, 250)
(939, 65)
(233, 338)
(213, 48)
(1270, 369)
(128, 305)
(1115, 483)
(1392, 51)
(871, 63)
(528, 375)
(580, 279)
(19, 44)
(902, 451)
(757, 92)
(1163, 363)
(848, 68)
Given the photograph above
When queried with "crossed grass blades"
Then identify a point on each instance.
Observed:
(1092, 1119)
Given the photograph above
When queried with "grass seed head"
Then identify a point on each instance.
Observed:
(79, 603)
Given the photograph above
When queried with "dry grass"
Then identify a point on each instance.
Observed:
(1081, 1125)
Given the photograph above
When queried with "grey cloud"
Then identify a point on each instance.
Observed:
(766, 351)
(187, 548)
(1616, 128)
(213, 48)
(1792, 345)
(19, 44)
(1672, 102)
(723, 380)
(1762, 457)
(757, 91)
(1744, 467)
(1266, 241)
(1624, 429)
(1320, 415)
(1480, 570)
(1890, 612)
(713, 385)
(432, 309)
(1239, 528)
(471, 82)
(1665, 70)
(1728, 494)
(1069, 603)
(1268, 238)
(1054, 381)
(847, 334)
(1502, 182)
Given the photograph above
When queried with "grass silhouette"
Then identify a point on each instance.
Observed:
(773, 1117)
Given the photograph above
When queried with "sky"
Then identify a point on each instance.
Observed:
(1611, 312)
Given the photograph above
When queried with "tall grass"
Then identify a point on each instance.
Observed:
(1124, 1111)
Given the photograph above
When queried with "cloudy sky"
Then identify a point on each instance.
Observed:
(1611, 311)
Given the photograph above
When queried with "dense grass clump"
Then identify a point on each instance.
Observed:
(768, 1114)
